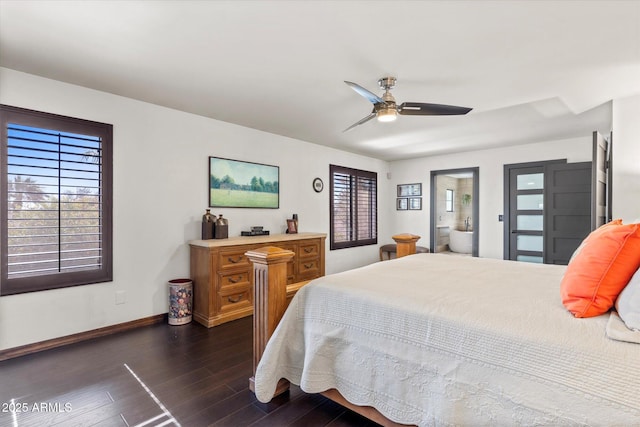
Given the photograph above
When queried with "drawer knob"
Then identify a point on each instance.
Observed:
(234, 300)
(308, 250)
(308, 266)
(235, 260)
(232, 280)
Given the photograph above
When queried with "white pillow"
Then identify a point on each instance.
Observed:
(628, 303)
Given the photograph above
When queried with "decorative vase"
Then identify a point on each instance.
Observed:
(208, 224)
(221, 228)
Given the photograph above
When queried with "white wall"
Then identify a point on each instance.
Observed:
(626, 159)
(160, 194)
(491, 171)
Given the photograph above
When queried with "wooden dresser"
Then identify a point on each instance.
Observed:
(223, 276)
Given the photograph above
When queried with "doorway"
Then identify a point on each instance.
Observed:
(454, 211)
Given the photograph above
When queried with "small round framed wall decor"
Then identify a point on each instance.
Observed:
(318, 185)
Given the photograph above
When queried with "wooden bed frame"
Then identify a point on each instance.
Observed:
(270, 302)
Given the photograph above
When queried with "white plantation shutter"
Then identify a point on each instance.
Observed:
(353, 209)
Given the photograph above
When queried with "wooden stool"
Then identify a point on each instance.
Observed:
(387, 250)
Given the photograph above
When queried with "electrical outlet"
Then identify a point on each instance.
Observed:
(121, 297)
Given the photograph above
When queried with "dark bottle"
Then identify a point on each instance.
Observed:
(222, 228)
(208, 225)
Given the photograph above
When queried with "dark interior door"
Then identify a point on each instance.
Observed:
(526, 213)
(567, 209)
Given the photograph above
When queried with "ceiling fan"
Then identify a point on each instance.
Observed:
(386, 109)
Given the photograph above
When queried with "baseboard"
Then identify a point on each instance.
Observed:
(82, 336)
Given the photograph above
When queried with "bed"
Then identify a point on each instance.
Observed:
(434, 339)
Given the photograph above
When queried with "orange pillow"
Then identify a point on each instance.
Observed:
(601, 268)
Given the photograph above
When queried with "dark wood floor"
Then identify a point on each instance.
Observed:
(173, 375)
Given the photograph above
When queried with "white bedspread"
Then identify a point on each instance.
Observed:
(445, 340)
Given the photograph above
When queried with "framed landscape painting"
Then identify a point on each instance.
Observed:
(238, 184)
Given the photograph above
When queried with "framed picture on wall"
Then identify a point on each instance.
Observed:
(402, 204)
(415, 203)
(238, 184)
(409, 190)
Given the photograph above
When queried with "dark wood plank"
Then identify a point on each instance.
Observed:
(70, 339)
(200, 375)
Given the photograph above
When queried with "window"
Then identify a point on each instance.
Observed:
(353, 210)
(448, 200)
(55, 201)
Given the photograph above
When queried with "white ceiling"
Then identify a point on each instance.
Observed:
(531, 70)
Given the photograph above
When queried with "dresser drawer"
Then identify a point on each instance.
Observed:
(236, 297)
(223, 275)
(235, 278)
(308, 268)
(309, 250)
(233, 259)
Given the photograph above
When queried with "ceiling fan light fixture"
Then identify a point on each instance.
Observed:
(386, 109)
(387, 115)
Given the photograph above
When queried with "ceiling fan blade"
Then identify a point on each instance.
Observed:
(422, 109)
(361, 121)
(372, 97)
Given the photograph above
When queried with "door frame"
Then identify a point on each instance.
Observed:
(475, 206)
(602, 173)
(506, 217)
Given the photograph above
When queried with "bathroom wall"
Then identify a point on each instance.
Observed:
(463, 211)
(453, 220)
(446, 221)
(444, 183)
